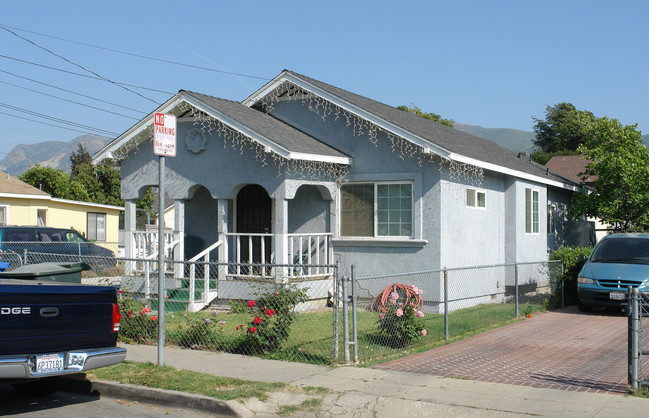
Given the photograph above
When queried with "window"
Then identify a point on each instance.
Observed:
(531, 211)
(475, 199)
(41, 217)
(97, 226)
(552, 219)
(3, 215)
(376, 210)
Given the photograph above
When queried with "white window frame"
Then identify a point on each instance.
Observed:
(375, 216)
(5, 208)
(552, 218)
(41, 220)
(532, 227)
(473, 194)
(93, 234)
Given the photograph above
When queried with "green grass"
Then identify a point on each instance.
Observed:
(311, 338)
(147, 374)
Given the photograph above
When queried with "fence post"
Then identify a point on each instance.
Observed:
(354, 316)
(336, 320)
(633, 341)
(516, 287)
(345, 319)
(25, 255)
(563, 287)
(445, 303)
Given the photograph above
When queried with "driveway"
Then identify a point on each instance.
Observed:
(562, 349)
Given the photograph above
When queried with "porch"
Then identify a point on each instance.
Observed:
(194, 283)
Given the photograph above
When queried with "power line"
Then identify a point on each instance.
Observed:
(72, 92)
(44, 123)
(141, 56)
(77, 65)
(55, 119)
(69, 101)
(81, 75)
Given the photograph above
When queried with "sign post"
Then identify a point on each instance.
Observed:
(164, 144)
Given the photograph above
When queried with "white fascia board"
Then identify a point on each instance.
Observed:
(25, 196)
(133, 131)
(320, 158)
(89, 204)
(427, 146)
(511, 172)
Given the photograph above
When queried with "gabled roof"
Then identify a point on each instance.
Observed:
(572, 167)
(433, 137)
(276, 136)
(12, 187)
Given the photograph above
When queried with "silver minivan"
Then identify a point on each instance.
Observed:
(617, 262)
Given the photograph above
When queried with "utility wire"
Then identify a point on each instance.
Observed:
(49, 124)
(55, 119)
(67, 100)
(141, 56)
(77, 65)
(72, 92)
(81, 75)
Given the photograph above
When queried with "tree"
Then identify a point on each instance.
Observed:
(55, 182)
(431, 116)
(79, 158)
(561, 132)
(620, 161)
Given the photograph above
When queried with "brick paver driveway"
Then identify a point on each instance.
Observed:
(562, 349)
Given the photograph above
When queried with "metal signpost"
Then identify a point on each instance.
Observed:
(164, 145)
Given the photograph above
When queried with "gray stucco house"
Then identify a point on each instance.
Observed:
(304, 172)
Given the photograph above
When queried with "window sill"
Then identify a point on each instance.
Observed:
(378, 242)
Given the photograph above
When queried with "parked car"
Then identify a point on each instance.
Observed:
(42, 240)
(617, 262)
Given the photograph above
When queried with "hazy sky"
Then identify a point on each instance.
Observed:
(495, 64)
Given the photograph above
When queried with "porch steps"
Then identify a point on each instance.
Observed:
(178, 299)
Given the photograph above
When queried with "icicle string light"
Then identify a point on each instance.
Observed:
(363, 128)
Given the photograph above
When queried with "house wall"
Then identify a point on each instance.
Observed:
(63, 214)
(308, 212)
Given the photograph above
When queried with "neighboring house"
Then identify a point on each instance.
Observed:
(573, 167)
(302, 171)
(23, 204)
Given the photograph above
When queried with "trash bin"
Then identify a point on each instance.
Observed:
(49, 272)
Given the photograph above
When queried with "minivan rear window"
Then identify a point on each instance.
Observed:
(627, 250)
(19, 236)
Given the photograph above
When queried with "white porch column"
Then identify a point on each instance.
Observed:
(280, 237)
(129, 230)
(222, 216)
(179, 233)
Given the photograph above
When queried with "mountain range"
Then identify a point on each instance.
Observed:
(57, 153)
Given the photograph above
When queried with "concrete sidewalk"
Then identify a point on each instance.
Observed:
(357, 391)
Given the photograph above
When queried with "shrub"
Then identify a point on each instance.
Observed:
(401, 319)
(271, 318)
(571, 267)
(203, 334)
(136, 325)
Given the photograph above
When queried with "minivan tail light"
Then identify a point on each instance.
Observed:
(116, 316)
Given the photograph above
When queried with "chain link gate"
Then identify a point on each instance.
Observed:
(638, 340)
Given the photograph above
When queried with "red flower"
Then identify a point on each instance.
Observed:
(253, 329)
(270, 312)
(146, 309)
(153, 318)
(257, 320)
(239, 327)
(251, 303)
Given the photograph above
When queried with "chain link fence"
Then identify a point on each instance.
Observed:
(399, 311)
(290, 313)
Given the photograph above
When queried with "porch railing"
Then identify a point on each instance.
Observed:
(202, 257)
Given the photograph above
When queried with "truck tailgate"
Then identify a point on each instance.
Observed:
(54, 317)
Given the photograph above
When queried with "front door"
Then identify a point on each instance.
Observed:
(254, 216)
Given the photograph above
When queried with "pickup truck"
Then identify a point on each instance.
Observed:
(50, 329)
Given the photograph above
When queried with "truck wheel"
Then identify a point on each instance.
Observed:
(583, 307)
(40, 387)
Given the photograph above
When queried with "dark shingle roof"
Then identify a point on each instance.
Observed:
(443, 136)
(280, 133)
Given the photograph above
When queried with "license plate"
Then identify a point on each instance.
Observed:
(617, 296)
(49, 363)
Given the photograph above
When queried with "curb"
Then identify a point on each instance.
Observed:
(150, 395)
